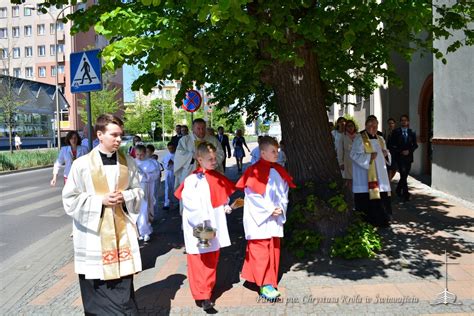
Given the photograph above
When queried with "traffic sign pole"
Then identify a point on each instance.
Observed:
(89, 118)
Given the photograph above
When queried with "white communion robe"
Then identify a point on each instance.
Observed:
(149, 171)
(258, 220)
(360, 166)
(66, 158)
(85, 207)
(197, 208)
(168, 163)
(185, 153)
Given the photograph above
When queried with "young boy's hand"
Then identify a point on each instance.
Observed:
(227, 209)
(277, 212)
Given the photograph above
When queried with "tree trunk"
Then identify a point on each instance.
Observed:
(10, 129)
(308, 143)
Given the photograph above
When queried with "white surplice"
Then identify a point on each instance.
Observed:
(85, 207)
(149, 173)
(184, 156)
(168, 163)
(258, 220)
(360, 166)
(197, 208)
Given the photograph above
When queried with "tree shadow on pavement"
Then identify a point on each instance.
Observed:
(421, 231)
(156, 298)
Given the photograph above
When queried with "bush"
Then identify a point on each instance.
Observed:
(27, 159)
(361, 241)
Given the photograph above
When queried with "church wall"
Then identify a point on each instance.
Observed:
(453, 138)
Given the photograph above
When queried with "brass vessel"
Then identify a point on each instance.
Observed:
(204, 234)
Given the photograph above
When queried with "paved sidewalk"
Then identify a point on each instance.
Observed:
(402, 280)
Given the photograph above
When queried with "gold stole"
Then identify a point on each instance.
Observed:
(117, 257)
(374, 192)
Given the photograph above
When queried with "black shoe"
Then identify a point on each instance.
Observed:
(166, 208)
(207, 305)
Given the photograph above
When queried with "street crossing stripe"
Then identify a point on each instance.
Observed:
(14, 193)
(51, 202)
(27, 196)
(58, 212)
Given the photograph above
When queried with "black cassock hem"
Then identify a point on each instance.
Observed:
(375, 212)
(112, 297)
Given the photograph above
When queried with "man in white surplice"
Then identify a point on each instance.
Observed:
(185, 161)
(101, 194)
(377, 211)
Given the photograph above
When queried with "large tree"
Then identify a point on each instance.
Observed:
(10, 103)
(288, 57)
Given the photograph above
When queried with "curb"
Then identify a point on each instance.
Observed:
(4, 173)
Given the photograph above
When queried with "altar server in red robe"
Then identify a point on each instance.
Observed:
(205, 196)
(266, 185)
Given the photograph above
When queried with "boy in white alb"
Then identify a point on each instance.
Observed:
(266, 186)
(149, 173)
(205, 197)
(168, 163)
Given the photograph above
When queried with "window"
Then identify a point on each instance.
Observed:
(4, 53)
(4, 71)
(60, 69)
(59, 27)
(39, 6)
(16, 31)
(29, 72)
(60, 48)
(52, 50)
(15, 11)
(3, 12)
(16, 72)
(29, 51)
(41, 29)
(3, 32)
(53, 71)
(28, 30)
(42, 72)
(27, 11)
(16, 52)
(41, 50)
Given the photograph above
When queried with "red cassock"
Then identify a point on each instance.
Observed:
(202, 267)
(202, 274)
(262, 260)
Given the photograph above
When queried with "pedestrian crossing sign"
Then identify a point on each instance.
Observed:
(85, 71)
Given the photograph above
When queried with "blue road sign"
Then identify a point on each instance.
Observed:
(85, 71)
(193, 101)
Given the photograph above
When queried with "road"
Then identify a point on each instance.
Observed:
(30, 209)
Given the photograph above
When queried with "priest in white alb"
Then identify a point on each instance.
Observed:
(370, 182)
(185, 160)
(101, 194)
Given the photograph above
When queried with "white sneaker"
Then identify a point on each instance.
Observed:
(146, 238)
(140, 237)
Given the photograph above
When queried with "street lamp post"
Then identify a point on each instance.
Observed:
(57, 73)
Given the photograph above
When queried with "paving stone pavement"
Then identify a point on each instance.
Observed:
(404, 279)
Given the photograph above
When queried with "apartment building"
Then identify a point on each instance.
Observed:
(34, 47)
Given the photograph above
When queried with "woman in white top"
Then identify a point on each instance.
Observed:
(343, 151)
(338, 131)
(68, 154)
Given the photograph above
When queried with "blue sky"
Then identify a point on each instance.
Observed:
(130, 73)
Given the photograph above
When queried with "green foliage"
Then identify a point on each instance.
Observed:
(138, 118)
(103, 101)
(27, 159)
(361, 241)
(220, 117)
(304, 242)
(235, 45)
(10, 104)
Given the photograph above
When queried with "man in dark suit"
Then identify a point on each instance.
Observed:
(175, 139)
(224, 140)
(402, 145)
